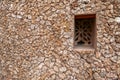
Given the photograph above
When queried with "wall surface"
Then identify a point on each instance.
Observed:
(36, 40)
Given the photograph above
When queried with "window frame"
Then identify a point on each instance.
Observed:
(94, 39)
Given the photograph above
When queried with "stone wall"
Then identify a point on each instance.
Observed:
(36, 40)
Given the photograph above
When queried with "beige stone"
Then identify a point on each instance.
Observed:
(37, 40)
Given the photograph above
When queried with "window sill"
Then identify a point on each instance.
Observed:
(84, 49)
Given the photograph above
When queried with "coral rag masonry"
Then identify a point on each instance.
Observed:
(37, 40)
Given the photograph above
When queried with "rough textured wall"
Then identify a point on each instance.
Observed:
(36, 40)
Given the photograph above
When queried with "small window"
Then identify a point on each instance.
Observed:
(85, 31)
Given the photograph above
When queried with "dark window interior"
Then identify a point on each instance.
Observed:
(85, 30)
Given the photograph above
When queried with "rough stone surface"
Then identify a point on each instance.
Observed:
(36, 40)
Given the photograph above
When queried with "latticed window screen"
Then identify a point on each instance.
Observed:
(84, 30)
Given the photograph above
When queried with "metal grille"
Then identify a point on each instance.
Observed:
(83, 31)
